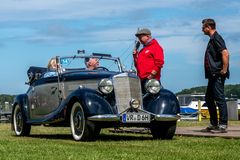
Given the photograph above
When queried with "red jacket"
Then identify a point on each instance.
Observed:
(149, 58)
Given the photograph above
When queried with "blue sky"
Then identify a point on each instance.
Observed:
(33, 31)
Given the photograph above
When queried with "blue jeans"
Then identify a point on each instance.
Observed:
(215, 95)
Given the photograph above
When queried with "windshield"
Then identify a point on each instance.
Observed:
(90, 63)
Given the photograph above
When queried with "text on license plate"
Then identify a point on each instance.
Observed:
(130, 117)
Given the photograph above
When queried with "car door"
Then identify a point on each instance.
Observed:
(47, 97)
(32, 100)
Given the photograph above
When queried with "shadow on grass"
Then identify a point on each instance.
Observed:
(131, 134)
(101, 137)
(130, 137)
(52, 136)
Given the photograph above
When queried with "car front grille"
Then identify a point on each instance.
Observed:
(126, 87)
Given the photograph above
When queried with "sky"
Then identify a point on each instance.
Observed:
(33, 31)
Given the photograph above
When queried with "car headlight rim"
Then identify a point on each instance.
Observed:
(153, 86)
(105, 86)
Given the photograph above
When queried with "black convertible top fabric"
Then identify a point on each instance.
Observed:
(35, 73)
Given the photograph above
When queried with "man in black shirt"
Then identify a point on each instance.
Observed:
(216, 64)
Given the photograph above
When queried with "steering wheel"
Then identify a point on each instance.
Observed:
(102, 68)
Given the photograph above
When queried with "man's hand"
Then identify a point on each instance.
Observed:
(135, 52)
(152, 75)
(222, 72)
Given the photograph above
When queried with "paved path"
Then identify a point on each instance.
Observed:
(233, 132)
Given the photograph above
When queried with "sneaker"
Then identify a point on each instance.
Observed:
(221, 129)
(210, 128)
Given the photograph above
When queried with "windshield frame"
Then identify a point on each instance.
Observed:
(114, 59)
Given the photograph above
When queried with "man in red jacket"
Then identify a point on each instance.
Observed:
(150, 59)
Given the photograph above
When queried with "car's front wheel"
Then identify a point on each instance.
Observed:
(163, 130)
(81, 128)
(19, 125)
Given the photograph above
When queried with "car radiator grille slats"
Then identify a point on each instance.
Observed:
(126, 88)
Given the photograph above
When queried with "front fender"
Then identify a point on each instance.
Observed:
(165, 102)
(22, 101)
(93, 102)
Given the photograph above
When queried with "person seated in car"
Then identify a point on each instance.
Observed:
(92, 63)
(52, 68)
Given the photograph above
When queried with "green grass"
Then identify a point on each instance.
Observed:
(57, 143)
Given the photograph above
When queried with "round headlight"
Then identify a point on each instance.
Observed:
(135, 103)
(153, 86)
(105, 86)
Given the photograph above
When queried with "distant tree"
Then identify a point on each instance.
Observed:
(6, 98)
(230, 90)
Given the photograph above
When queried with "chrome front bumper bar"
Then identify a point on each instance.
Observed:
(166, 117)
(115, 118)
(105, 118)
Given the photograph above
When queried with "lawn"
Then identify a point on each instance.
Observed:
(57, 143)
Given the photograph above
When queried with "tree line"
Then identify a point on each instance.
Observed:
(231, 90)
(6, 98)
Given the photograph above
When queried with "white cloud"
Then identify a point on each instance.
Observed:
(78, 9)
(24, 10)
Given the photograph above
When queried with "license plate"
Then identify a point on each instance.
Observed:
(135, 118)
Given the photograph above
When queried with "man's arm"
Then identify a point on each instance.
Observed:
(225, 59)
(135, 56)
(158, 61)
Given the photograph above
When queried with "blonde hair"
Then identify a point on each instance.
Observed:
(51, 63)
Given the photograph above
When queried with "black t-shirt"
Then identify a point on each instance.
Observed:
(213, 63)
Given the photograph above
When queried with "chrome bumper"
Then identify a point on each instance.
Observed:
(105, 118)
(115, 118)
(166, 117)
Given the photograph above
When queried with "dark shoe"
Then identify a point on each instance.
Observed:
(221, 129)
(210, 128)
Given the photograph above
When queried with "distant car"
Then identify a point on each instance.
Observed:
(88, 100)
(5, 113)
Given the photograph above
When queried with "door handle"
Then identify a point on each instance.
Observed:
(53, 90)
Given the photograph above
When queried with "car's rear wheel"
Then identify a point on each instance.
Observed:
(163, 130)
(19, 125)
(81, 128)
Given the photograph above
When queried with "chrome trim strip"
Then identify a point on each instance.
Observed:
(145, 95)
(126, 74)
(166, 117)
(104, 118)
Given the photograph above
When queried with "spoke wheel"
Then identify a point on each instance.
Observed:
(19, 125)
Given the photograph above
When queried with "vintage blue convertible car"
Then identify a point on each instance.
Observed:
(88, 100)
